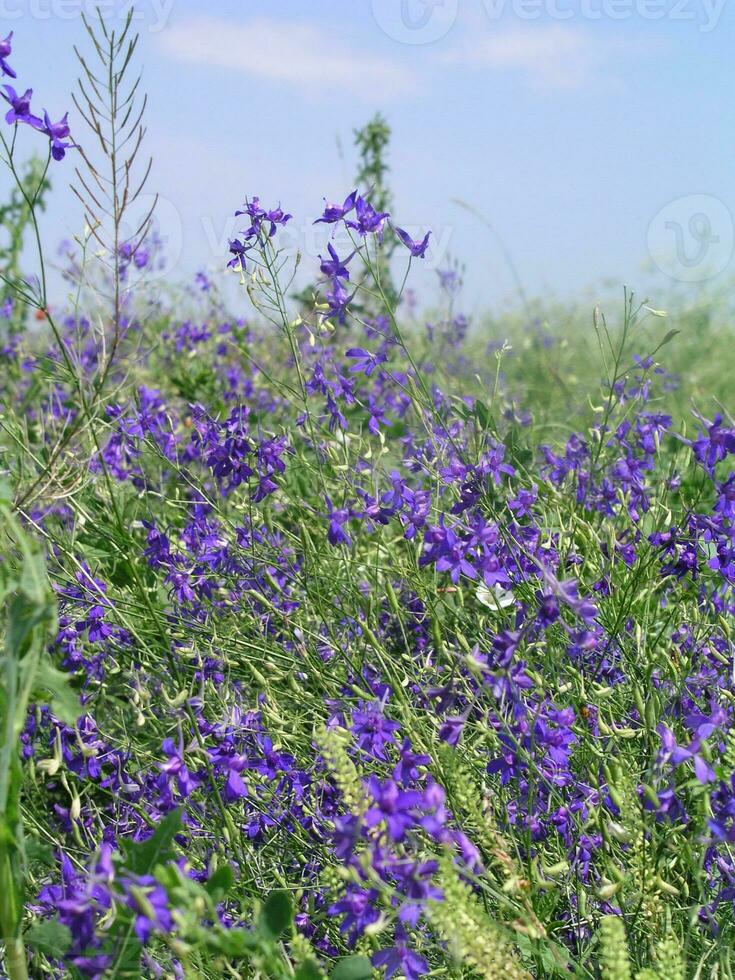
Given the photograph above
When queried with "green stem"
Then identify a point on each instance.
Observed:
(15, 955)
(15, 959)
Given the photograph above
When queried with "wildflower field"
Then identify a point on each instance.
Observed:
(341, 639)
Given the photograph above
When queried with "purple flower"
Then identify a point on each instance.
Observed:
(523, 503)
(6, 49)
(450, 730)
(338, 300)
(714, 446)
(57, 133)
(93, 967)
(400, 959)
(260, 217)
(392, 806)
(358, 908)
(677, 754)
(406, 771)
(337, 519)
(364, 361)
(369, 221)
(335, 267)
(373, 731)
(449, 552)
(149, 901)
(336, 212)
(416, 248)
(568, 592)
(346, 835)
(20, 107)
(175, 767)
(238, 250)
(235, 789)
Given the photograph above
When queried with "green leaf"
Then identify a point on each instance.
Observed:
(555, 958)
(309, 970)
(38, 851)
(51, 938)
(667, 339)
(353, 968)
(34, 581)
(219, 883)
(61, 698)
(141, 858)
(483, 415)
(276, 915)
(233, 943)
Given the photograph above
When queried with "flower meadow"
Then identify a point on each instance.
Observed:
(342, 639)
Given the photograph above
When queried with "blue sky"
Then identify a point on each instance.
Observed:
(597, 136)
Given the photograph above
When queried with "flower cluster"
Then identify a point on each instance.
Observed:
(20, 108)
(263, 226)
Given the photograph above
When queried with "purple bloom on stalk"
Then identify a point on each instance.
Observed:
(414, 879)
(493, 572)
(276, 216)
(725, 504)
(433, 801)
(677, 754)
(337, 518)
(406, 771)
(20, 107)
(467, 850)
(93, 967)
(556, 739)
(450, 730)
(149, 901)
(259, 217)
(722, 822)
(334, 267)
(364, 361)
(392, 806)
(548, 611)
(235, 789)
(373, 731)
(568, 592)
(58, 133)
(716, 444)
(668, 808)
(238, 250)
(358, 908)
(175, 767)
(346, 835)
(402, 960)
(369, 221)
(416, 248)
(449, 552)
(523, 503)
(6, 49)
(338, 300)
(335, 212)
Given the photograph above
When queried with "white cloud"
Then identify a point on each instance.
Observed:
(550, 57)
(283, 51)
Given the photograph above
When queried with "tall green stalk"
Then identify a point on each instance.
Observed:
(29, 615)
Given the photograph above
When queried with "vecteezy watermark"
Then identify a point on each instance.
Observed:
(159, 253)
(705, 13)
(424, 21)
(152, 14)
(691, 239)
(415, 21)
